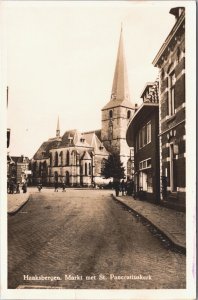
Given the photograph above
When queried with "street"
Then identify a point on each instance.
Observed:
(84, 239)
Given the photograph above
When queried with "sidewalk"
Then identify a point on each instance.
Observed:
(16, 201)
(172, 223)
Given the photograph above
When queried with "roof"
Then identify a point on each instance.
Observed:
(170, 36)
(116, 102)
(71, 138)
(19, 159)
(120, 91)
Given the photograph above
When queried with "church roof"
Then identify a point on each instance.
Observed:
(120, 91)
(71, 138)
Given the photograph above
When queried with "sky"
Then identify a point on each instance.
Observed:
(60, 61)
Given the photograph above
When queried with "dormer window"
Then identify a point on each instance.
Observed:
(101, 147)
(110, 114)
(82, 140)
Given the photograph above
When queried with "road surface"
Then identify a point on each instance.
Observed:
(84, 239)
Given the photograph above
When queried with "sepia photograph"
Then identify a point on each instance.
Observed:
(97, 180)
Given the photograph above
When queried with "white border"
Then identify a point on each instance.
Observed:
(189, 292)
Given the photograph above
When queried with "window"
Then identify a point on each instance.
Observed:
(145, 164)
(67, 158)
(171, 94)
(144, 136)
(128, 114)
(85, 169)
(89, 168)
(148, 129)
(56, 160)
(110, 114)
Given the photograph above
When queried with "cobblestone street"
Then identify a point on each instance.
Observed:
(86, 233)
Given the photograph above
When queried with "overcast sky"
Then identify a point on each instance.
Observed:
(61, 59)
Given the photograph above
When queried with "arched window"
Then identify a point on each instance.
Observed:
(85, 169)
(110, 114)
(128, 114)
(74, 154)
(67, 158)
(51, 159)
(89, 168)
(56, 160)
(103, 165)
(40, 168)
(56, 176)
(61, 158)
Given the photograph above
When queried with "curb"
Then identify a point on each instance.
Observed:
(165, 234)
(15, 210)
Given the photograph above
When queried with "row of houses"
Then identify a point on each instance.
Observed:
(157, 129)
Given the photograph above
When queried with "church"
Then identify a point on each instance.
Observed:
(77, 158)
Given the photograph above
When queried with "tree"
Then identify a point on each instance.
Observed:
(113, 167)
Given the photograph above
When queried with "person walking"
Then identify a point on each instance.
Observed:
(122, 187)
(56, 186)
(63, 187)
(117, 187)
(24, 186)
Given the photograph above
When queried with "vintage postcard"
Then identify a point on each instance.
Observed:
(97, 167)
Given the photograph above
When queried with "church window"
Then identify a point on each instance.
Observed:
(85, 169)
(110, 132)
(110, 114)
(67, 158)
(102, 165)
(51, 159)
(89, 168)
(61, 158)
(128, 114)
(56, 160)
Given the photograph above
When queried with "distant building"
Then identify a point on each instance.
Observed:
(171, 63)
(142, 134)
(75, 159)
(78, 158)
(18, 170)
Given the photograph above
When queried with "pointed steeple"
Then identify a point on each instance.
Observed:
(58, 129)
(120, 89)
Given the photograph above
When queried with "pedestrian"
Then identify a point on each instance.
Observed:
(24, 186)
(117, 187)
(18, 188)
(122, 185)
(11, 187)
(40, 186)
(63, 187)
(55, 186)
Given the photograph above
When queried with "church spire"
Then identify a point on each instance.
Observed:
(58, 129)
(120, 89)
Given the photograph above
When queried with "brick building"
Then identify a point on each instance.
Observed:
(171, 63)
(142, 134)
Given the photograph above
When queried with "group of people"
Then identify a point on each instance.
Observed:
(125, 187)
(63, 185)
(14, 188)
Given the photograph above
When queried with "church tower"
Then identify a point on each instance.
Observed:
(117, 113)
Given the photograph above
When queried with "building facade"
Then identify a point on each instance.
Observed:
(18, 169)
(171, 63)
(142, 134)
(78, 158)
(75, 159)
